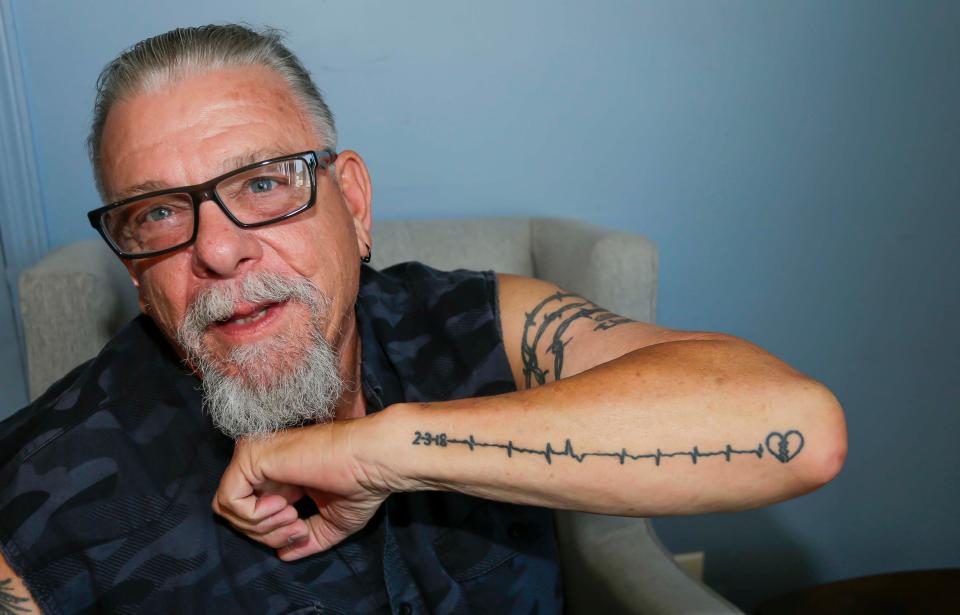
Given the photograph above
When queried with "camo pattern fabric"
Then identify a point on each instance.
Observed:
(106, 482)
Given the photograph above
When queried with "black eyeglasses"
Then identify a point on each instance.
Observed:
(252, 196)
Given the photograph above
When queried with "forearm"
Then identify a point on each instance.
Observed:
(674, 428)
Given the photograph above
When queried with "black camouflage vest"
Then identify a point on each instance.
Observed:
(106, 482)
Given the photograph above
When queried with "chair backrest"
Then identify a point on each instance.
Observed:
(501, 244)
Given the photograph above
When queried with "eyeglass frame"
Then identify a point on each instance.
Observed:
(206, 191)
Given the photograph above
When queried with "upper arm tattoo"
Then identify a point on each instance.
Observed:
(545, 332)
(10, 603)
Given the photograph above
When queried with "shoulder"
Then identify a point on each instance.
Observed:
(97, 454)
(125, 404)
(66, 403)
(414, 291)
(438, 330)
(429, 285)
(551, 333)
(119, 374)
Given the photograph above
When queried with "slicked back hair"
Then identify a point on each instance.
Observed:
(183, 52)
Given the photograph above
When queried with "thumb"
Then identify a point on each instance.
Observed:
(321, 535)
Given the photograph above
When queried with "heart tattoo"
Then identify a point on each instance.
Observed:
(782, 446)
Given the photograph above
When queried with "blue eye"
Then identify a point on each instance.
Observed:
(262, 184)
(158, 213)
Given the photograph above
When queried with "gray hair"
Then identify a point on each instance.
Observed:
(185, 51)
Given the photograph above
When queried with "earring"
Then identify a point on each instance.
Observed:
(366, 259)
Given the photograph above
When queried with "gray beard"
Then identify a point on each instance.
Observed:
(272, 384)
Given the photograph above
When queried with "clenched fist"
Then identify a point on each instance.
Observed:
(266, 477)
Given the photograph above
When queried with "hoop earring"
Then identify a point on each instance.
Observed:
(366, 258)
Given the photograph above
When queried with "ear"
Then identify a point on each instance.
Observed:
(357, 192)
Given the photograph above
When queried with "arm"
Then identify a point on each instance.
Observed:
(14, 597)
(643, 421)
(735, 427)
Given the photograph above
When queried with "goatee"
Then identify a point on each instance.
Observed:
(282, 381)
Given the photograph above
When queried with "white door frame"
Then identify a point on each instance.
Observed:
(23, 226)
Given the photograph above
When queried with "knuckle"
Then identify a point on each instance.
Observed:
(262, 527)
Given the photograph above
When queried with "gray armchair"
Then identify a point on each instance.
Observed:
(74, 300)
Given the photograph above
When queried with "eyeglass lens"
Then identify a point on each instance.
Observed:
(255, 196)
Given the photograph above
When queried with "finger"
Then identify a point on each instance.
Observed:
(266, 513)
(291, 493)
(268, 505)
(284, 536)
(321, 536)
(238, 499)
(298, 549)
(285, 517)
(235, 495)
(239, 512)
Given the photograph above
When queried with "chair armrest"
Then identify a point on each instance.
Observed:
(616, 565)
(71, 302)
(617, 270)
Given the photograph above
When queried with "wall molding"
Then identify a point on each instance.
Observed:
(21, 210)
(23, 228)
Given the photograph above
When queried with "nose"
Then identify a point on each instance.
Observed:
(222, 249)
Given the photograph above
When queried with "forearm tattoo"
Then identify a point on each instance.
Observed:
(781, 446)
(10, 603)
(547, 324)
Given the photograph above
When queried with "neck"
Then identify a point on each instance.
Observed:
(352, 404)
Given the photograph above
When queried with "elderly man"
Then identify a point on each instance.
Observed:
(371, 441)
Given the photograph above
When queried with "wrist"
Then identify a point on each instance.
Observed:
(378, 444)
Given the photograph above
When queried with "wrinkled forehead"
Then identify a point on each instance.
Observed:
(186, 130)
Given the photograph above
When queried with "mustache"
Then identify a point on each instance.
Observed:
(218, 302)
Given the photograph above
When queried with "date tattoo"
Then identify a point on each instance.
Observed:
(781, 446)
(545, 327)
(10, 603)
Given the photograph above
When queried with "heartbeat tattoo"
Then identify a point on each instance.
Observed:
(782, 446)
(566, 309)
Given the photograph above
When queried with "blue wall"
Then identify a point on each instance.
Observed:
(795, 162)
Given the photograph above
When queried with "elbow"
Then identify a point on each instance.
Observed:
(832, 460)
(829, 436)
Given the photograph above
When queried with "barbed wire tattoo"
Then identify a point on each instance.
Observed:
(560, 309)
(10, 604)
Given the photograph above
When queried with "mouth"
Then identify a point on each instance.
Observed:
(249, 320)
(246, 316)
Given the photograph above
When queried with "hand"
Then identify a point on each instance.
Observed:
(266, 477)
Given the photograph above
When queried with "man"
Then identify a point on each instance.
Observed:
(372, 441)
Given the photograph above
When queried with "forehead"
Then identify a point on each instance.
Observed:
(193, 128)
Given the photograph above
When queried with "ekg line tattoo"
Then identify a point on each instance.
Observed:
(564, 315)
(782, 446)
